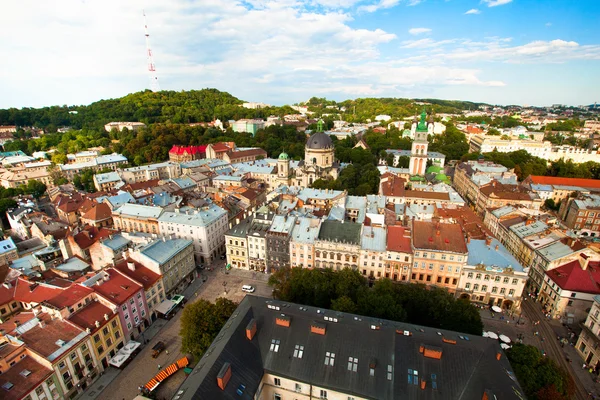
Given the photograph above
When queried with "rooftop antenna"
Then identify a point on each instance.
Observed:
(151, 68)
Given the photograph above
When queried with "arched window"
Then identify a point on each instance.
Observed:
(314, 160)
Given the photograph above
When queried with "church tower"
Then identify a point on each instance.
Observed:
(418, 156)
(283, 169)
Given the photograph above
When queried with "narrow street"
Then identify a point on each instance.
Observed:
(117, 384)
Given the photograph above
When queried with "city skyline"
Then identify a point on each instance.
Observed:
(285, 51)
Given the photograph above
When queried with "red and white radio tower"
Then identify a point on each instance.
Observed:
(154, 86)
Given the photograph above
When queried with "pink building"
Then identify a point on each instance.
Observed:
(128, 296)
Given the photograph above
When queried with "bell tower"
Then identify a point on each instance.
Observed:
(418, 154)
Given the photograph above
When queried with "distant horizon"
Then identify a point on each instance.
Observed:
(285, 51)
(321, 95)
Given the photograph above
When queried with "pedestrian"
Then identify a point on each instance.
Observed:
(584, 365)
(167, 352)
(159, 366)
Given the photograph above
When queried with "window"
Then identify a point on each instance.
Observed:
(73, 356)
(478, 276)
(502, 290)
(323, 394)
(505, 280)
(105, 331)
(298, 351)
(484, 288)
(494, 289)
(352, 364)
(61, 365)
(277, 381)
(389, 372)
(450, 268)
(486, 278)
(96, 338)
(277, 396)
(497, 279)
(515, 281)
(275, 345)
(424, 255)
(442, 267)
(476, 286)
(124, 308)
(413, 377)
(511, 292)
(329, 358)
(298, 387)
(467, 286)
(470, 275)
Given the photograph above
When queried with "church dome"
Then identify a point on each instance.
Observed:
(319, 141)
(284, 156)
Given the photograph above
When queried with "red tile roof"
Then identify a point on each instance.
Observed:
(470, 222)
(98, 212)
(572, 277)
(23, 384)
(438, 236)
(86, 317)
(220, 147)
(43, 340)
(554, 180)
(70, 296)
(419, 194)
(33, 292)
(119, 288)
(7, 292)
(236, 155)
(90, 235)
(392, 185)
(180, 150)
(140, 274)
(15, 321)
(397, 241)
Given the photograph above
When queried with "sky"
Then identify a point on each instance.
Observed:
(528, 52)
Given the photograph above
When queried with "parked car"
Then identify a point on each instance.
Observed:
(157, 348)
(222, 256)
(248, 289)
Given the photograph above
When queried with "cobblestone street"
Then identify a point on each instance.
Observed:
(115, 384)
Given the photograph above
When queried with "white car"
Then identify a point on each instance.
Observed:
(248, 289)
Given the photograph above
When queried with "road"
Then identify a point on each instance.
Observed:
(551, 345)
(143, 367)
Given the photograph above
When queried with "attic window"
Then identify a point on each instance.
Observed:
(25, 372)
(7, 386)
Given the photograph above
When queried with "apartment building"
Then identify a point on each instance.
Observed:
(582, 214)
(487, 144)
(338, 246)
(588, 343)
(278, 242)
(372, 256)
(142, 173)
(299, 352)
(399, 253)
(471, 175)
(8, 251)
(137, 218)
(439, 254)
(568, 291)
(236, 240)
(205, 227)
(107, 181)
(492, 276)
(496, 194)
(302, 242)
(171, 258)
(257, 240)
(150, 280)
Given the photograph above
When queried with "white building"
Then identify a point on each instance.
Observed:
(487, 144)
(205, 227)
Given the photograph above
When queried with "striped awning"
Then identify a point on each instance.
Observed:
(165, 373)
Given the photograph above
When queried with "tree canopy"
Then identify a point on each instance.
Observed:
(348, 291)
(540, 377)
(201, 322)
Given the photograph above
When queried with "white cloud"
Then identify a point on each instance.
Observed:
(414, 2)
(548, 24)
(379, 5)
(494, 3)
(419, 31)
(473, 11)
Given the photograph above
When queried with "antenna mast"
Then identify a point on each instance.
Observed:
(154, 86)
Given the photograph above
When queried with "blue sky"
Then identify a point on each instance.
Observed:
(534, 52)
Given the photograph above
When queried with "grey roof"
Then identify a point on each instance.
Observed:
(523, 230)
(117, 200)
(319, 140)
(241, 229)
(138, 211)
(73, 264)
(111, 158)
(480, 253)
(340, 231)
(282, 224)
(466, 369)
(162, 250)
(194, 217)
(555, 251)
(373, 238)
(116, 242)
(7, 245)
(306, 230)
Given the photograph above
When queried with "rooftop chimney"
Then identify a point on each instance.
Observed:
(251, 329)
(497, 247)
(488, 240)
(224, 376)
(318, 327)
(283, 320)
(131, 266)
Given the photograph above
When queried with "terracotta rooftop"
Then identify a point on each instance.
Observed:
(132, 187)
(25, 376)
(86, 205)
(220, 147)
(118, 288)
(246, 153)
(250, 194)
(140, 274)
(392, 185)
(426, 195)
(180, 150)
(470, 222)
(572, 277)
(427, 235)
(33, 292)
(398, 239)
(70, 296)
(7, 292)
(52, 337)
(90, 235)
(98, 212)
(86, 317)
(501, 191)
(554, 180)
(15, 321)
